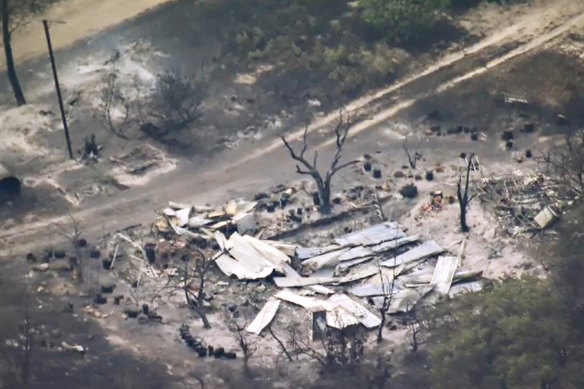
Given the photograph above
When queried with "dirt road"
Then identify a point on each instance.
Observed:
(530, 33)
(252, 167)
(82, 18)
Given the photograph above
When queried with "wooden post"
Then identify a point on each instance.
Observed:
(63, 117)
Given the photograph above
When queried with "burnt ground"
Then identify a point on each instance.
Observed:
(539, 77)
(239, 118)
(52, 323)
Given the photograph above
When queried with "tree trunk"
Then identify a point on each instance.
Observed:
(202, 315)
(463, 224)
(324, 192)
(10, 69)
(195, 307)
(380, 331)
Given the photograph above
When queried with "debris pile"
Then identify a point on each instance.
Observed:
(201, 221)
(370, 264)
(525, 204)
(249, 258)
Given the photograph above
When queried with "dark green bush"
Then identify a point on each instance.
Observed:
(402, 20)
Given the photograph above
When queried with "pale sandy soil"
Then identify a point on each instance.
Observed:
(82, 18)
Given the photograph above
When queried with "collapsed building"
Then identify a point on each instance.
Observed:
(343, 281)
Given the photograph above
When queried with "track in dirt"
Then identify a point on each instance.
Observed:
(513, 34)
(18, 239)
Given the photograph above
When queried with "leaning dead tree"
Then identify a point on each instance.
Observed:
(282, 345)
(306, 167)
(412, 158)
(462, 192)
(567, 161)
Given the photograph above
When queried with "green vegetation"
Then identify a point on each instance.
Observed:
(516, 335)
(322, 42)
(340, 47)
(402, 20)
(523, 333)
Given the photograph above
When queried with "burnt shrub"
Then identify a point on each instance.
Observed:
(409, 191)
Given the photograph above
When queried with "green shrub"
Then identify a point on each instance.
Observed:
(402, 20)
(255, 55)
(515, 336)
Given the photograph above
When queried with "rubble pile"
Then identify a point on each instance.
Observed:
(347, 279)
(525, 204)
(201, 221)
(278, 210)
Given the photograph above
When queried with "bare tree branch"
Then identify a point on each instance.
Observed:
(114, 106)
(196, 302)
(323, 184)
(248, 348)
(282, 346)
(567, 161)
(388, 293)
(413, 160)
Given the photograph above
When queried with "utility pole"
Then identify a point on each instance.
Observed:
(46, 25)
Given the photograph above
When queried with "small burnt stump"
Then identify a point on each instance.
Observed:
(100, 300)
(219, 352)
(150, 249)
(409, 191)
(60, 254)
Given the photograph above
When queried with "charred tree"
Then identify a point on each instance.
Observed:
(10, 66)
(463, 197)
(73, 231)
(567, 162)
(113, 100)
(248, 347)
(412, 159)
(196, 301)
(282, 345)
(415, 327)
(14, 15)
(323, 183)
(388, 293)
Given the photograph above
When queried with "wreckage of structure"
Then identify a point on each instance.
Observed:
(526, 203)
(346, 280)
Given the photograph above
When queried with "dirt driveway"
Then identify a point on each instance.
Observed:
(256, 165)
